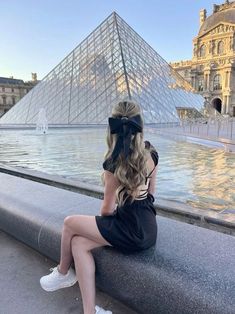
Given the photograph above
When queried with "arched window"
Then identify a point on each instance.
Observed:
(220, 48)
(202, 51)
(217, 82)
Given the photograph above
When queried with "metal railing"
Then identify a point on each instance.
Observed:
(216, 128)
(211, 128)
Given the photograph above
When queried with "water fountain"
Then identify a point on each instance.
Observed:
(42, 124)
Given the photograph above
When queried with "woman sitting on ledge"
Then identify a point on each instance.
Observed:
(129, 180)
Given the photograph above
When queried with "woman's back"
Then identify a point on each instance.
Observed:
(148, 185)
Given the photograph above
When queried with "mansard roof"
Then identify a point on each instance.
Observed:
(10, 81)
(223, 16)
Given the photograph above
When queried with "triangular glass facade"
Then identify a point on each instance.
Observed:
(113, 63)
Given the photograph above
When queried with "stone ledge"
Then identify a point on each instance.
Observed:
(175, 210)
(191, 269)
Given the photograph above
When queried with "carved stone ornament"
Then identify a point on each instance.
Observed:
(221, 61)
(221, 7)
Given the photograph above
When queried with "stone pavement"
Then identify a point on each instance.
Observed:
(20, 293)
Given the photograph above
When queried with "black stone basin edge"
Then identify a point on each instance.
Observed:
(166, 208)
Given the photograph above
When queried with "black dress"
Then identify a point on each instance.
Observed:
(132, 227)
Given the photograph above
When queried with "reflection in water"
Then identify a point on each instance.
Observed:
(217, 178)
(190, 173)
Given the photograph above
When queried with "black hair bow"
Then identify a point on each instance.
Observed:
(124, 127)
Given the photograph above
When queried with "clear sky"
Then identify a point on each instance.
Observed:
(37, 35)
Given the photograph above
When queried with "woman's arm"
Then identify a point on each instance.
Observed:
(110, 186)
(152, 183)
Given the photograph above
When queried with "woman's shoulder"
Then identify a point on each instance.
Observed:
(109, 165)
(153, 151)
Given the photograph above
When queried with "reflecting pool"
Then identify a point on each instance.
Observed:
(193, 174)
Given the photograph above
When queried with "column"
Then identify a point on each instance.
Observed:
(226, 79)
(205, 81)
(229, 79)
(228, 104)
(224, 105)
(208, 82)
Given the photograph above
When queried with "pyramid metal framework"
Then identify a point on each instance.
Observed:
(113, 63)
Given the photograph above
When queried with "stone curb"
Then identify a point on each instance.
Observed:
(170, 209)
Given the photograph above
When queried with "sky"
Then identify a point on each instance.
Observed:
(37, 35)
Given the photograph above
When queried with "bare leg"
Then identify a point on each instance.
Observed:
(80, 235)
(77, 225)
(85, 270)
(66, 253)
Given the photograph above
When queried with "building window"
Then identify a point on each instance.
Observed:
(220, 48)
(200, 84)
(12, 90)
(217, 82)
(200, 68)
(3, 89)
(13, 100)
(202, 51)
(4, 100)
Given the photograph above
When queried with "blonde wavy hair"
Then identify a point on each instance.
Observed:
(131, 172)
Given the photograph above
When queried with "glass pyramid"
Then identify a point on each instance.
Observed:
(113, 63)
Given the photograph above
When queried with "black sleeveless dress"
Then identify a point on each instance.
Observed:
(132, 227)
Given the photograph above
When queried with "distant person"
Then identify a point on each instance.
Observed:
(130, 169)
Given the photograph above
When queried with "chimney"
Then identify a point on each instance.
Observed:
(34, 77)
(202, 16)
(215, 8)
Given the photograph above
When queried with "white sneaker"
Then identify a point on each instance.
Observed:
(99, 310)
(56, 280)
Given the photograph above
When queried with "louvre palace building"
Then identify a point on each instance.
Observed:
(12, 90)
(212, 69)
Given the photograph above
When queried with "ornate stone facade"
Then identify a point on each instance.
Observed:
(212, 69)
(12, 90)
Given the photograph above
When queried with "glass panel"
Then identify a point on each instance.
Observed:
(111, 64)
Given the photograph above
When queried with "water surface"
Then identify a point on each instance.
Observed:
(193, 174)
